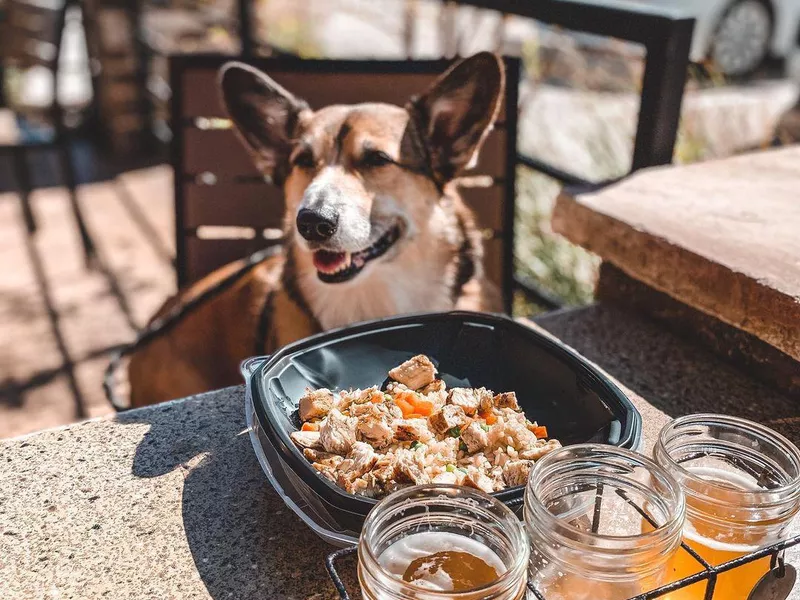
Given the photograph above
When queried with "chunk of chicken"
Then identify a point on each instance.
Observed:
(475, 437)
(415, 373)
(395, 412)
(375, 431)
(409, 469)
(343, 400)
(466, 398)
(364, 396)
(411, 429)
(358, 410)
(476, 478)
(448, 477)
(393, 387)
(434, 387)
(306, 439)
(506, 400)
(315, 404)
(539, 449)
(363, 457)
(515, 472)
(323, 458)
(384, 468)
(338, 432)
(486, 403)
(326, 471)
(357, 485)
(450, 416)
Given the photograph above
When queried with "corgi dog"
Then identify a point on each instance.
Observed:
(374, 226)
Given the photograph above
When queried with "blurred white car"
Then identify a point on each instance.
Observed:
(737, 35)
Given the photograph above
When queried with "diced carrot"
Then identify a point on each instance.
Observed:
(404, 405)
(376, 398)
(310, 427)
(423, 407)
(407, 395)
(490, 418)
(540, 432)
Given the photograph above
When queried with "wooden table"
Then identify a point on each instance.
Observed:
(720, 244)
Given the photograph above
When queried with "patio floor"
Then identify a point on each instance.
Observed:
(60, 320)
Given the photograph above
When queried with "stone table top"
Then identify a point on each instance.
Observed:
(170, 502)
(720, 236)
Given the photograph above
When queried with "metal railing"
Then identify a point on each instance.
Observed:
(666, 37)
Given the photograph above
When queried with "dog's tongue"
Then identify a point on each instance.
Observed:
(329, 262)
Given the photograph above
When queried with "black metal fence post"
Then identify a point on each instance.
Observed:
(662, 94)
(246, 27)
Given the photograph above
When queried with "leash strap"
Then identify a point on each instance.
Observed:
(163, 324)
(263, 324)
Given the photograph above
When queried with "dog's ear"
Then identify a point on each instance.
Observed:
(457, 113)
(264, 114)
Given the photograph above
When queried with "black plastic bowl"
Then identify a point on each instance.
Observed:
(554, 385)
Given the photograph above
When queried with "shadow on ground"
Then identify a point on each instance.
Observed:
(245, 543)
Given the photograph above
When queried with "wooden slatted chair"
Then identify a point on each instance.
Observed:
(225, 210)
(30, 39)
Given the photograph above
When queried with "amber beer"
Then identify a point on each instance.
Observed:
(742, 487)
(703, 539)
(733, 584)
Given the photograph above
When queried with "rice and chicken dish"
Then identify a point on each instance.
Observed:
(373, 442)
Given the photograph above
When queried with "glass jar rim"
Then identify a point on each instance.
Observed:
(738, 498)
(436, 490)
(670, 528)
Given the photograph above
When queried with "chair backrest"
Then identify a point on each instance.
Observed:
(30, 33)
(225, 210)
(30, 36)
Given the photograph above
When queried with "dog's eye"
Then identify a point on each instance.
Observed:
(375, 158)
(304, 160)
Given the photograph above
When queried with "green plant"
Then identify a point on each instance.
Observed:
(566, 270)
(559, 266)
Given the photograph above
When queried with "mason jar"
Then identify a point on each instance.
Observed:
(603, 523)
(742, 487)
(423, 542)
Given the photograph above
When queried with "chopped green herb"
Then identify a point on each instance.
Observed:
(387, 397)
(450, 468)
(416, 444)
(484, 426)
(462, 446)
(454, 432)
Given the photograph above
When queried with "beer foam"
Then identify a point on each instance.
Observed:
(734, 480)
(691, 535)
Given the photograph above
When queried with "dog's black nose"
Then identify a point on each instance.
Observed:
(317, 225)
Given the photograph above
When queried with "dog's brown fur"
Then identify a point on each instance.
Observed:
(329, 157)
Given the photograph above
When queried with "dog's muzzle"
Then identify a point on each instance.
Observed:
(338, 267)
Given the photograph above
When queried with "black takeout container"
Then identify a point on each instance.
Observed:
(555, 386)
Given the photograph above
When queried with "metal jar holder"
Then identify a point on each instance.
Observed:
(708, 573)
